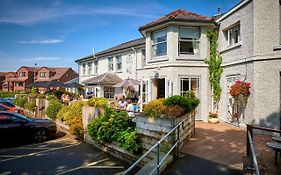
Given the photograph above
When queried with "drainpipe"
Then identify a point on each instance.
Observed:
(136, 61)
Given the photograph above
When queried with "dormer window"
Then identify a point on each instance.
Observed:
(159, 42)
(43, 74)
(189, 40)
(22, 74)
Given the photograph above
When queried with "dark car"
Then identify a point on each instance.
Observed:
(7, 103)
(15, 126)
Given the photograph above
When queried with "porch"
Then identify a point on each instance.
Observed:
(219, 148)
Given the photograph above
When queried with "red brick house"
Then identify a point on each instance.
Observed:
(24, 76)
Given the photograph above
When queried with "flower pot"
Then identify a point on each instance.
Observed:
(213, 120)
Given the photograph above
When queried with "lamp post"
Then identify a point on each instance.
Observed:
(34, 72)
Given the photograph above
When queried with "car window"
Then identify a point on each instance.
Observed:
(9, 118)
(7, 104)
(4, 119)
(2, 108)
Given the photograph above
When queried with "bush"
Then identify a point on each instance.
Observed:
(7, 94)
(31, 106)
(20, 101)
(72, 116)
(155, 108)
(53, 109)
(115, 126)
(192, 100)
(174, 111)
(51, 97)
(98, 102)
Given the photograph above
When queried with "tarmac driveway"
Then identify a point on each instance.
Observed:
(64, 155)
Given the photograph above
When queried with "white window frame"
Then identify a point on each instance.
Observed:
(22, 74)
(90, 68)
(155, 44)
(181, 91)
(96, 67)
(43, 74)
(233, 35)
(110, 64)
(108, 94)
(83, 69)
(119, 63)
(195, 41)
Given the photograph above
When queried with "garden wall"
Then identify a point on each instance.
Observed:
(151, 131)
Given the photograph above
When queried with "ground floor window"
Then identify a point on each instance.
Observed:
(188, 83)
(108, 92)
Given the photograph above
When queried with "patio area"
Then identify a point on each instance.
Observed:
(219, 148)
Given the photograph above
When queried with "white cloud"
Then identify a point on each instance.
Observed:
(46, 41)
(36, 59)
(38, 14)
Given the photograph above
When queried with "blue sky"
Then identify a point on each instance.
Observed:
(57, 32)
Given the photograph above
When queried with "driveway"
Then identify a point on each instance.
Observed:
(64, 155)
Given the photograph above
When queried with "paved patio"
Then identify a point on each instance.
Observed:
(220, 147)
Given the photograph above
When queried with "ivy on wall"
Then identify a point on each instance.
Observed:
(215, 69)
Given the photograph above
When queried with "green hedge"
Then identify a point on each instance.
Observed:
(4, 94)
(20, 101)
(53, 108)
(117, 127)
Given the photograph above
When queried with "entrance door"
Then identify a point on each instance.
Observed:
(158, 88)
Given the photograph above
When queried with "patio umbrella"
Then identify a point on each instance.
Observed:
(127, 83)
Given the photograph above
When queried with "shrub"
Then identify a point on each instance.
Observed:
(114, 126)
(174, 111)
(20, 101)
(51, 97)
(178, 100)
(53, 108)
(192, 100)
(98, 102)
(7, 94)
(31, 106)
(72, 116)
(155, 108)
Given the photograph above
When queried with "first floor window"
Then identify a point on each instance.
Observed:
(96, 67)
(108, 92)
(189, 40)
(22, 74)
(90, 68)
(83, 69)
(119, 63)
(159, 42)
(110, 64)
(233, 35)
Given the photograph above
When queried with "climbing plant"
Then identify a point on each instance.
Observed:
(215, 69)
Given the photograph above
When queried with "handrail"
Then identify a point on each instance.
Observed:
(265, 129)
(253, 154)
(159, 162)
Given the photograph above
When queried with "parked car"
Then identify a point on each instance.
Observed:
(15, 127)
(7, 103)
(7, 108)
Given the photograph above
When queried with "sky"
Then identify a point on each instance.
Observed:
(55, 33)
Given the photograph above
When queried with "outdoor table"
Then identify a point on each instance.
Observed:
(276, 147)
(277, 139)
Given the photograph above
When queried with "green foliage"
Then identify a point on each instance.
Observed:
(20, 101)
(51, 97)
(98, 102)
(215, 69)
(114, 126)
(4, 94)
(53, 108)
(31, 106)
(155, 108)
(130, 140)
(192, 100)
(72, 116)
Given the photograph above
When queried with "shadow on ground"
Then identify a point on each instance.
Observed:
(198, 166)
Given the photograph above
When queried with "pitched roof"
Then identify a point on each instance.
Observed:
(126, 45)
(178, 15)
(3, 74)
(104, 79)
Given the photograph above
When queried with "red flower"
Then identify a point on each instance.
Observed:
(240, 87)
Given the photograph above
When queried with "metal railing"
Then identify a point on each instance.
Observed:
(250, 144)
(253, 158)
(157, 147)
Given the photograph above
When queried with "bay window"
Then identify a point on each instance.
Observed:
(189, 40)
(159, 42)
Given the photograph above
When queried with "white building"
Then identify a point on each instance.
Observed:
(170, 59)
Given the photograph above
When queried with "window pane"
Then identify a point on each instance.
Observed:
(189, 33)
(160, 49)
(189, 47)
(159, 34)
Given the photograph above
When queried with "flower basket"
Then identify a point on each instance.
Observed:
(213, 118)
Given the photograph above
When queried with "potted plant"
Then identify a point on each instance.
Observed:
(213, 117)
